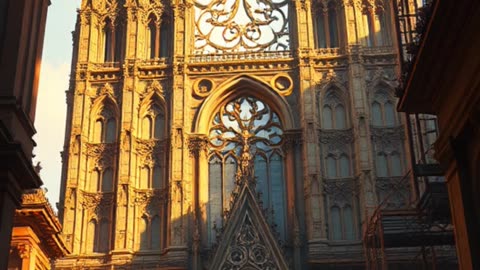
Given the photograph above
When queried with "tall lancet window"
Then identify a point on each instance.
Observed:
(153, 34)
(152, 128)
(327, 25)
(165, 37)
(159, 37)
(108, 40)
(375, 24)
(246, 131)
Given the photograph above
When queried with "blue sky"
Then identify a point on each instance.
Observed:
(51, 103)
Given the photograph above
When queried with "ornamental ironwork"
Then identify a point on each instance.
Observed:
(229, 26)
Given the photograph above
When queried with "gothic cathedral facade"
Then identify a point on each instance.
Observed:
(230, 134)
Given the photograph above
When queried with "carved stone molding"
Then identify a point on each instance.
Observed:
(292, 139)
(336, 137)
(196, 144)
(154, 87)
(150, 151)
(102, 154)
(99, 204)
(381, 74)
(151, 201)
(388, 139)
(341, 191)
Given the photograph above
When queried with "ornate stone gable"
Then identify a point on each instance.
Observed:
(247, 241)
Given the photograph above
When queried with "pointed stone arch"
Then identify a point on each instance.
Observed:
(105, 110)
(236, 87)
(153, 105)
(247, 241)
(333, 96)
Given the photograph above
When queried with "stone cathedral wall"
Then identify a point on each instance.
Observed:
(135, 183)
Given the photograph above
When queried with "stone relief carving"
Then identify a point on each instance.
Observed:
(98, 205)
(388, 139)
(336, 139)
(341, 192)
(248, 249)
(150, 151)
(196, 144)
(151, 201)
(102, 154)
(154, 87)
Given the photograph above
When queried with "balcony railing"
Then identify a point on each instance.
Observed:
(239, 56)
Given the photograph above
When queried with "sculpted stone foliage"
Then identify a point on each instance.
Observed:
(150, 150)
(98, 204)
(341, 192)
(155, 87)
(196, 144)
(151, 201)
(102, 154)
(336, 138)
(388, 139)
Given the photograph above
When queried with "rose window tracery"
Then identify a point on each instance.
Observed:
(229, 26)
(245, 145)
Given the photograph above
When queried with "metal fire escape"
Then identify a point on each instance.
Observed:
(419, 234)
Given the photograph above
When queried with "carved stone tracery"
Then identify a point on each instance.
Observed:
(248, 250)
(245, 25)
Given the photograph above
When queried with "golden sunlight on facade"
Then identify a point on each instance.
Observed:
(36, 239)
(242, 134)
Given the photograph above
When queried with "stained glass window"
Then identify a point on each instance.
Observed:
(246, 129)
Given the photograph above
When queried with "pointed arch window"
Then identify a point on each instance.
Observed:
(151, 174)
(375, 21)
(151, 177)
(389, 164)
(111, 39)
(153, 123)
(396, 164)
(143, 233)
(95, 177)
(337, 167)
(381, 164)
(101, 181)
(165, 38)
(97, 236)
(333, 113)
(104, 236)
(107, 180)
(108, 40)
(91, 236)
(342, 223)
(149, 236)
(104, 129)
(327, 25)
(159, 37)
(153, 34)
(383, 110)
(246, 128)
